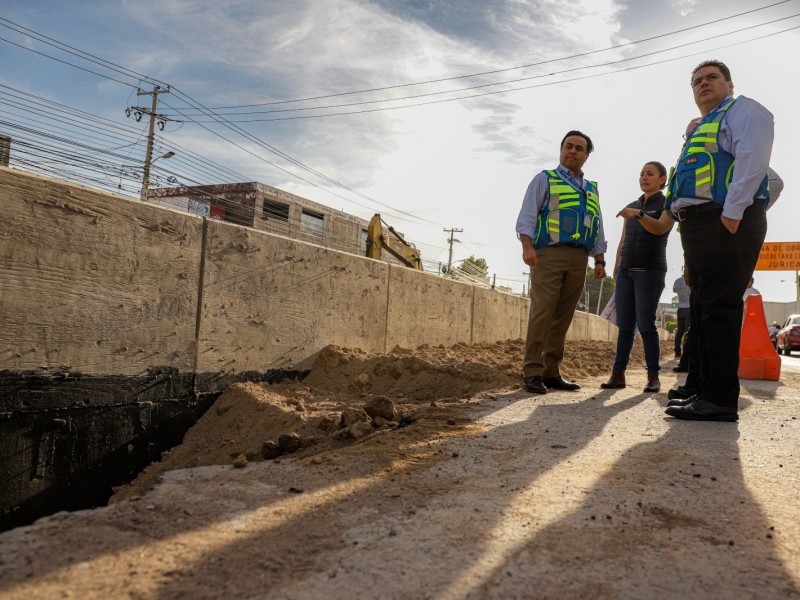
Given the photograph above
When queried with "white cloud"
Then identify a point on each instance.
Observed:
(684, 7)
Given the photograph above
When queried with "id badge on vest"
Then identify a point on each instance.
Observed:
(587, 220)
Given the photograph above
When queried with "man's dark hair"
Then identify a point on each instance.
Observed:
(589, 145)
(726, 72)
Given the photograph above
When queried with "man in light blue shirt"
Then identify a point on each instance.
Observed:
(719, 193)
(559, 225)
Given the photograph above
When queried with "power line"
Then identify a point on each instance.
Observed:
(2, 39)
(516, 89)
(220, 119)
(506, 69)
(196, 105)
(229, 123)
(75, 52)
(52, 149)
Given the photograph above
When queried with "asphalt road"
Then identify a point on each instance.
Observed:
(791, 363)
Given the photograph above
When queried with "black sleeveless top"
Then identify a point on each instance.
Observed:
(640, 248)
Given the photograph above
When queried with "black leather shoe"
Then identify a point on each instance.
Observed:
(535, 385)
(558, 383)
(679, 393)
(702, 410)
(682, 401)
(680, 369)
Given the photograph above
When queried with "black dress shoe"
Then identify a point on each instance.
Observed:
(535, 385)
(703, 410)
(679, 393)
(558, 383)
(680, 369)
(682, 401)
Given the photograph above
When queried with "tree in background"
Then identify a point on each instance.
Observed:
(671, 326)
(588, 301)
(477, 267)
(591, 292)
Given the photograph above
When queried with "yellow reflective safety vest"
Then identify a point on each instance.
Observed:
(704, 170)
(571, 216)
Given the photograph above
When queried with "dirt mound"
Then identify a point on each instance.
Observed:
(429, 372)
(457, 371)
(251, 422)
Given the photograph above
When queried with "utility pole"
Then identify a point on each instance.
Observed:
(149, 155)
(586, 294)
(451, 241)
(600, 294)
(5, 150)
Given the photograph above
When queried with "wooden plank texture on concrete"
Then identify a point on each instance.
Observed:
(424, 308)
(271, 303)
(494, 316)
(94, 283)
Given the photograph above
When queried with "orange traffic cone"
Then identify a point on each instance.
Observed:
(757, 356)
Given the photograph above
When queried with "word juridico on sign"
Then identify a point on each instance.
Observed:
(779, 256)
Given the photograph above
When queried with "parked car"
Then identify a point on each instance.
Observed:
(788, 338)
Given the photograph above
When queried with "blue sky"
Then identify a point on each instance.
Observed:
(460, 163)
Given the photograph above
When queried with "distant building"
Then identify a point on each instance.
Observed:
(269, 209)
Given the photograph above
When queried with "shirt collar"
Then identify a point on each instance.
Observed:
(721, 105)
(655, 197)
(565, 171)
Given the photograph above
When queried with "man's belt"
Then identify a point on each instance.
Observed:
(696, 209)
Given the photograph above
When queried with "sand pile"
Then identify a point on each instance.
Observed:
(350, 394)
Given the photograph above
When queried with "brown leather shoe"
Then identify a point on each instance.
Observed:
(615, 382)
(653, 384)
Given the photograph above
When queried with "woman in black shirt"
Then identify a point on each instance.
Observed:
(640, 270)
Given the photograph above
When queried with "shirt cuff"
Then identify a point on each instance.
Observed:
(734, 212)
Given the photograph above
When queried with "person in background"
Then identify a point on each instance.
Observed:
(640, 270)
(775, 187)
(750, 289)
(683, 291)
(773, 333)
(559, 225)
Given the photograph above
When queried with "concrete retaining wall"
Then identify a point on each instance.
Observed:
(121, 320)
(93, 283)
(105, 285)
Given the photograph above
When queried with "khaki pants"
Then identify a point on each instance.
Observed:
(556, 287)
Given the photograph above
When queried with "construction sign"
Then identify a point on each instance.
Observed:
(779, 256)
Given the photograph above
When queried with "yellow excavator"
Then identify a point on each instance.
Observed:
(379, 239)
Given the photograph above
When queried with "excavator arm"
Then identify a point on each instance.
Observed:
(380, 239)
